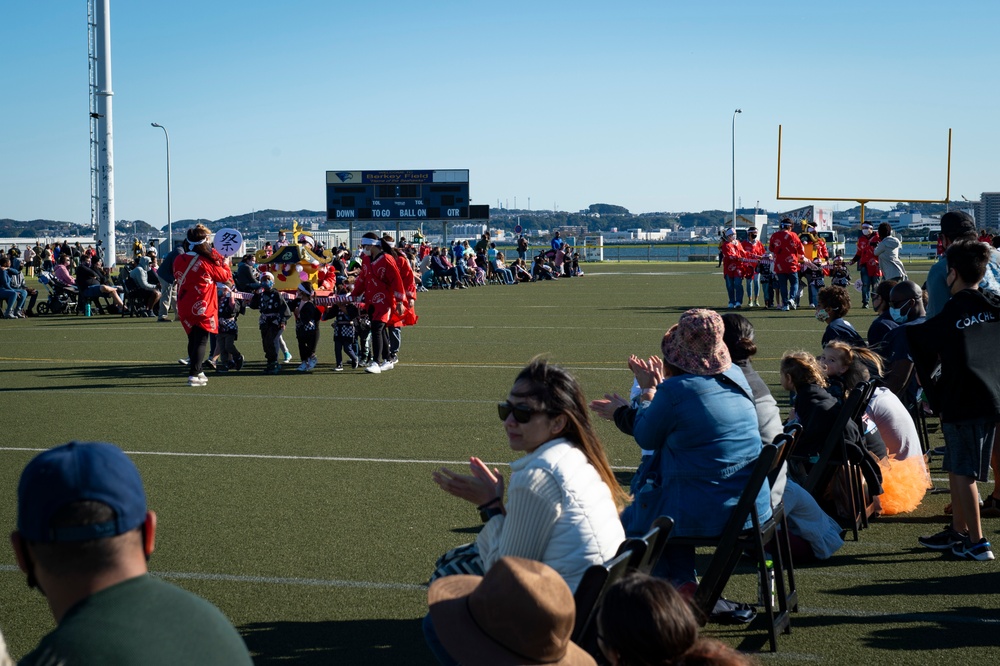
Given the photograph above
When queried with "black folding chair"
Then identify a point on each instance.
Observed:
(589, 593)
(734, 541)
(833, 459)
(646, 549)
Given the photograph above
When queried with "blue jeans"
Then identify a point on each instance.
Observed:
(15, 299)
(788, 285)
(753, 287)
(868, 285)
(814, 294)
(734, 287)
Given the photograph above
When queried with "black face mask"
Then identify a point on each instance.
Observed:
(952, 283)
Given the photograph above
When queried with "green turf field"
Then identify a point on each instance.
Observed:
(302, 505)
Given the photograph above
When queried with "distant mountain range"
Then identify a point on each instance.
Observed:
(610, 215)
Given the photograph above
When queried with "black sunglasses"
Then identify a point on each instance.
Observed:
(521, 413)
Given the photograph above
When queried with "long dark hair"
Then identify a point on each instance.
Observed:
(738, 336)
(647, 622)
(559, 393)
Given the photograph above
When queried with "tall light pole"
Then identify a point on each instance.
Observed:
(734, 165)
(170, 226)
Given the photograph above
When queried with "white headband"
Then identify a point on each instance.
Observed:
(389, 243)
(193, 243)
(370, 241)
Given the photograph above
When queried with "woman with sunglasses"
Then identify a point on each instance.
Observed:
(563, 500)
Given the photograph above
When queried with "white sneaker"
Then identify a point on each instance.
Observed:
(288, 357)
(184, 361)
(303, 367)
(199, 380)
(374, 368)
(793, 305)
(385, 367)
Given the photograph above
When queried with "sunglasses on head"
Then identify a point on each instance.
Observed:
(521, 413)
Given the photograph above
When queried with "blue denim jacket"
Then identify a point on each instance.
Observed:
(705, 429)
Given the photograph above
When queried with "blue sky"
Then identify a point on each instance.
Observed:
(568, 103)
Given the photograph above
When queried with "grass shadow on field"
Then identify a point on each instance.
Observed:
(97, 376)
(369, 642)
(654, 310)
(973, 584)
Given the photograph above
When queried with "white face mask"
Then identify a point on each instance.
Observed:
(866, 232)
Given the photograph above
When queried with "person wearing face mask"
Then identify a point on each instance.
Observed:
(274, 312)
(788, 256)
(961, 340)
(867, 262)
(732, 267)
(906, 308)
(833, 304)
(956, 226)
(381, 286)
(753, 250)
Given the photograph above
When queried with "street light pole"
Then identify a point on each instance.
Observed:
(170, 226)
(734, 165)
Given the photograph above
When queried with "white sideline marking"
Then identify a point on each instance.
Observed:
(306, 582)
(264, 456)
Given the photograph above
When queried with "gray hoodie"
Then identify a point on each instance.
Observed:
(887, 252)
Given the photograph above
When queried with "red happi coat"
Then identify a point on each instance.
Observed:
(409, 316)
(787, 249)
(752, 251)
(197, 297)
(866, 254)
(732, 259)
(380, 286)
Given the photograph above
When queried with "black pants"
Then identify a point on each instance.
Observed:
(226, 347)
(380, 342)
(343, 346)
(269, 334)
(197, 347)
(307, 342)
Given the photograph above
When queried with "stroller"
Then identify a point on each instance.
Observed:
(62, 299)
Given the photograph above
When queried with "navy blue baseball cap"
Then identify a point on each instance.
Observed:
(76, 472)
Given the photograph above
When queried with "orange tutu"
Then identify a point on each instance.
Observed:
(904, 484)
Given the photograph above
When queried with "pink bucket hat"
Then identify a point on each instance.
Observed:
(695, 344)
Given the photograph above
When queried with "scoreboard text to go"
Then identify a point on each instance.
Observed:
(400, 213)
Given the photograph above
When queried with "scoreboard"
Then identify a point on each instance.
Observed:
(397, 195)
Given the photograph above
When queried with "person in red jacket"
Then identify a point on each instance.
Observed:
(753, 249)
(867, 262)
(195, 273)
(409, 316)
(787, 250)
(732, 267)
(382, 289)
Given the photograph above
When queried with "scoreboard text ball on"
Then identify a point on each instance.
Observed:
(397, 195)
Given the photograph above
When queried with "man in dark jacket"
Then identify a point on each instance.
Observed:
(961, 340)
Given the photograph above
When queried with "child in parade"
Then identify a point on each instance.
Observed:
(768, 280)
(307, 327)
(229, 309)
(839, 275)
(274, 313)
(345, 317)
(814, 274)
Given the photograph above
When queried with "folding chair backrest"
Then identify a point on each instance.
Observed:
(589, 593)
(716, 576)
(785, 442)
(655, 539)
(834, 444)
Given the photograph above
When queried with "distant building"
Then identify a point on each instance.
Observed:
(988, 212)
